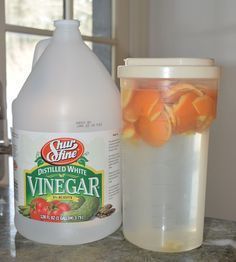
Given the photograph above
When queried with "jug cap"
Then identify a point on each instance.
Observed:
(65, 22)
(180, 68)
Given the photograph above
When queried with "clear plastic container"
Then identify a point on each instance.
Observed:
(168, 106)
(69, 97)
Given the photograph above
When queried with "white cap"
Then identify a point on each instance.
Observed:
(180, 68)
(67, 22)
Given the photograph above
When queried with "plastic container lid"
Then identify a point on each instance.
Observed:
(183, 68)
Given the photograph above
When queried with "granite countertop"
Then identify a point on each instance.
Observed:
(219, 244)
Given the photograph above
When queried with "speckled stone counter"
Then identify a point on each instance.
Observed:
(219, 244)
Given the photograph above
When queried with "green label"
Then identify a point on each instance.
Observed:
(66, 193)
(63, 182)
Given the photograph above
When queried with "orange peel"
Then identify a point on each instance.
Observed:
(203, 123)
(128, 131)
(212, 92)
(156, 110)
(185, 113)
(126, 95)
(152, 114)
(174, 93)
(144, 100)
(157, 132)
(130, 115)
(170, 113)
(205, 106)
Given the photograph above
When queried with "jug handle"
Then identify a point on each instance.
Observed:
(39, 49)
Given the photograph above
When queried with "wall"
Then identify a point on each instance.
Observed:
(206, 28)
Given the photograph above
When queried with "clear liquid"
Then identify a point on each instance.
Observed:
(164, 192)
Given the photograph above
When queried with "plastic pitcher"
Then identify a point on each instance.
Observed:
(168, 106)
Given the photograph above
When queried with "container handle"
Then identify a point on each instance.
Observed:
(39, 49)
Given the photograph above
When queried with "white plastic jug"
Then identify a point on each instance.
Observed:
(66, 124)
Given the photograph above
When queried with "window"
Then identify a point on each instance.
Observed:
(24, 22)
(28, 21)
(113, 29)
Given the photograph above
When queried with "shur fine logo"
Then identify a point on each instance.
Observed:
(62, 175)
(62, 151)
